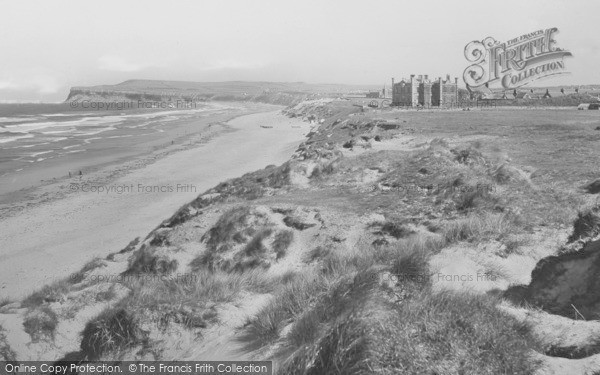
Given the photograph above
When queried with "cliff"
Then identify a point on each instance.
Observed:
(264, 92)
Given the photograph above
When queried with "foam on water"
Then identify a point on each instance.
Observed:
(16, 137)
(68, 147)
(33, 155)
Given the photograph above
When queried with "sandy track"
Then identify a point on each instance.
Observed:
(50, 241)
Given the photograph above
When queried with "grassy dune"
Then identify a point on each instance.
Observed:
(330, 263)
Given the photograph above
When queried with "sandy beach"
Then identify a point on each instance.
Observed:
(48, 241)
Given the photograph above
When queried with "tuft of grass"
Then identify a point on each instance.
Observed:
(198, 288)
(474, 197)
(41, 323)
(107, 295)
(479, 227)
(319, 252)
(112, 330)
(48, 294)
(146, 260)
(254, 185)
(256, 247)
(129, 248)
(392, 228)
(340, 296)
(412, 266)
(282, 241)
(468, 156)
(5, 301)
(288, 302)
(93, 264)
(503, 174)
(228, 225)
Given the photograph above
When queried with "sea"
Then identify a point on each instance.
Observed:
(41, 137)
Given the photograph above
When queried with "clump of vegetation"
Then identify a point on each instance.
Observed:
(129, 248)
(479, 227)
(392, 228)
(232, 226)
(196, 289)
(113, 330)
(5, 301)
(186, 317)
(282, 241)
(6, 353)
(503, 174)
(412, 267)
(48, 294)
(468, 156)
(474, 197)
(341, 296)
(254, 185)
(256, 247)
(322, 170)
(41, 323)
(288, 302)
(349, 144)
(147, 260)
(319, 252)
(587, 224)
(89, 266)
(107, 294)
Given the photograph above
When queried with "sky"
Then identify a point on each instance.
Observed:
(46, 47)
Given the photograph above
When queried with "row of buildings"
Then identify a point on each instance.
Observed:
(421, 91)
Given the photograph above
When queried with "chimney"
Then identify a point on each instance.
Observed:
(447, 77)
(456, 80)
(426, 77)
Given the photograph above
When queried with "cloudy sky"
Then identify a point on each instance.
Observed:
(48, 46)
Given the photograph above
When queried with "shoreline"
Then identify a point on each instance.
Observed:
(50, 189)
(51, 239)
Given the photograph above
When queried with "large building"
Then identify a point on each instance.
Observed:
(421, 91)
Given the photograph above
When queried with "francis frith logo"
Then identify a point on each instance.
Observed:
(516, 62)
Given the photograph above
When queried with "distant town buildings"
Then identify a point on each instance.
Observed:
(421, 91)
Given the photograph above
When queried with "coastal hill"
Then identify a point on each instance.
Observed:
(266, 92)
